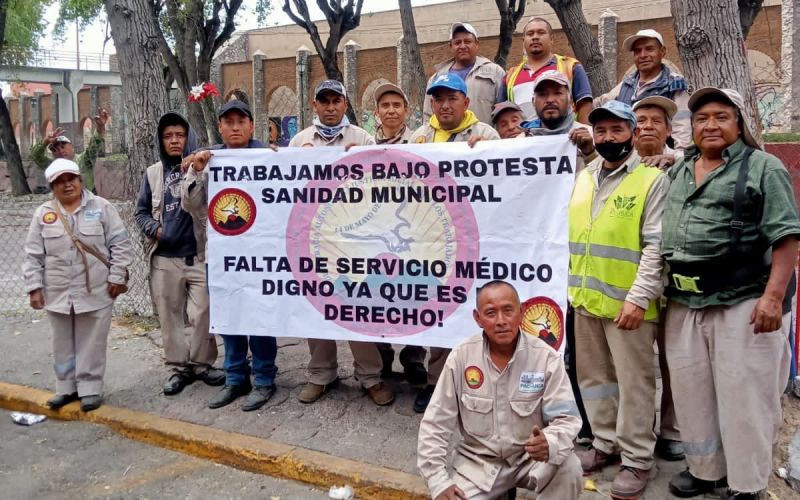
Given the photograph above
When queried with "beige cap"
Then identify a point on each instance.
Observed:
(60, 166)
(668, 105)
(732, 97)
(386, 88)
(628, 43)
(463, 27)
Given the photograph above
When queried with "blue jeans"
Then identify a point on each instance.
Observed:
(237, 369)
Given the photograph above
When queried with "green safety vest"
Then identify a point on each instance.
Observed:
(604, 253)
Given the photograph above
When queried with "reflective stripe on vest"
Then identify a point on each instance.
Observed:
(605, 252)
(563, 64)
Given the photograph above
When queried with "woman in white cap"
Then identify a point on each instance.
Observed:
(77, 255)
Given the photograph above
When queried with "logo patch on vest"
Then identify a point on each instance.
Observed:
(623, 207)
(531, 382)
(92, 215)
(473, 376)
(49, 217)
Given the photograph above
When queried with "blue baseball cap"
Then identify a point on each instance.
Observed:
(449, 81)
(613, 109)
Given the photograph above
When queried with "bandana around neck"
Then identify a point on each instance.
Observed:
(330, 133)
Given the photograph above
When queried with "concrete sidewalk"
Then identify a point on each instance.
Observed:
(344, 423)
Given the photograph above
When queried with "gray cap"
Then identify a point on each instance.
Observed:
(500, 107)
(61, 139)
(330, 86)
(732, 97)
(668, 105)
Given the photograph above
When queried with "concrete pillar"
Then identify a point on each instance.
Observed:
(790, 63)
(259, 108)
(121, 138)
(607, 38)
(351, 75)
(36, 114)
(94, 100)
(303, 67)
(24, 118)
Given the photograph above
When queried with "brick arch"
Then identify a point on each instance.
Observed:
(86, 130)
(766, 76)
(282, 106)
(367, 102)
(16, 131)
(31, 131)
(47, 128)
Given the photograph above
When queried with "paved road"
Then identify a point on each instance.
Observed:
(62, 460)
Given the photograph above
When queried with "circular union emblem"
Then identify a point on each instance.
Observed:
(231, 212)
(473, 376)
(541, 317)
(49, 217)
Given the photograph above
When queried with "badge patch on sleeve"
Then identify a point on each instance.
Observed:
(531, 382)
(473, 376)
(49, 217)
(91, 215)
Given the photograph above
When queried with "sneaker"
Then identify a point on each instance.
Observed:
(258, 397)
(380, 394)
(60, 400)
(176, 383)
(228, 395)
(423, 398)
(685, 485)
(629, 483)
(594, 460)
(312, 392)
(90, 403)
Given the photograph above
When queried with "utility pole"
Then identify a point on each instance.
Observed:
(78, 43)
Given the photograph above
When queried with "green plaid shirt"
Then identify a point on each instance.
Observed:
(696, 224)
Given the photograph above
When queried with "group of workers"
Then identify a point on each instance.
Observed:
(682, 237)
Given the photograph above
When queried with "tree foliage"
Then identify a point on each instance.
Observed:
(23, 27)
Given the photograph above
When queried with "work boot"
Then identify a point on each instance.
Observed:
(60, 400)
(669, 450)
(228, 395)
(89, 403)
(685, 485)
(758, 495)
(380, 394)
(387, 357)
(212, 376)
(312, 392)
(423, 398)
(594, 460)
(176, 383)
(258, 397)
(629, 483)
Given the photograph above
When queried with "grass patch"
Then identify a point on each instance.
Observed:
(138, 323)
(782, 137)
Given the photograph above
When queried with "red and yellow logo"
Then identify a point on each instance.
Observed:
(49, 217)
(231, 212)
(541, 317)
(473, 376)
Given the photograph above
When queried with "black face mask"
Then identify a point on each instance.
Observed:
(614, 151)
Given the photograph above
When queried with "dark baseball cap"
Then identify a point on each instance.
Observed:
(334, 86)
(235, 105)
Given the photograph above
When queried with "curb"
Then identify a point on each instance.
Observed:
(229, 448)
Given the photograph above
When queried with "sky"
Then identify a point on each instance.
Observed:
(91, 39)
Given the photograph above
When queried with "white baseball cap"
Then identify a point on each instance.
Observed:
(60, 166)
(464, 27)
(649, 33)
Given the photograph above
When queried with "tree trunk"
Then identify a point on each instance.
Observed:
(19, 183)
(583, 42)
(748, 10)
(142, 78)
(510, 14)
(712, 50)
(418, 82)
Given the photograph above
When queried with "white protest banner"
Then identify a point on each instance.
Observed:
(388, 243)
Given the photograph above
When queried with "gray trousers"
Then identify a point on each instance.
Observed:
(79, 350)
(727, 384)
(177, 287)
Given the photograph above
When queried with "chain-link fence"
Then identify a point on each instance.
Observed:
(16, 214)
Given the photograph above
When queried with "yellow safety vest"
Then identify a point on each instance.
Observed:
(564, 64)
(605, 252)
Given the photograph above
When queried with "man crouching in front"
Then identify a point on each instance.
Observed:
(510, 395)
